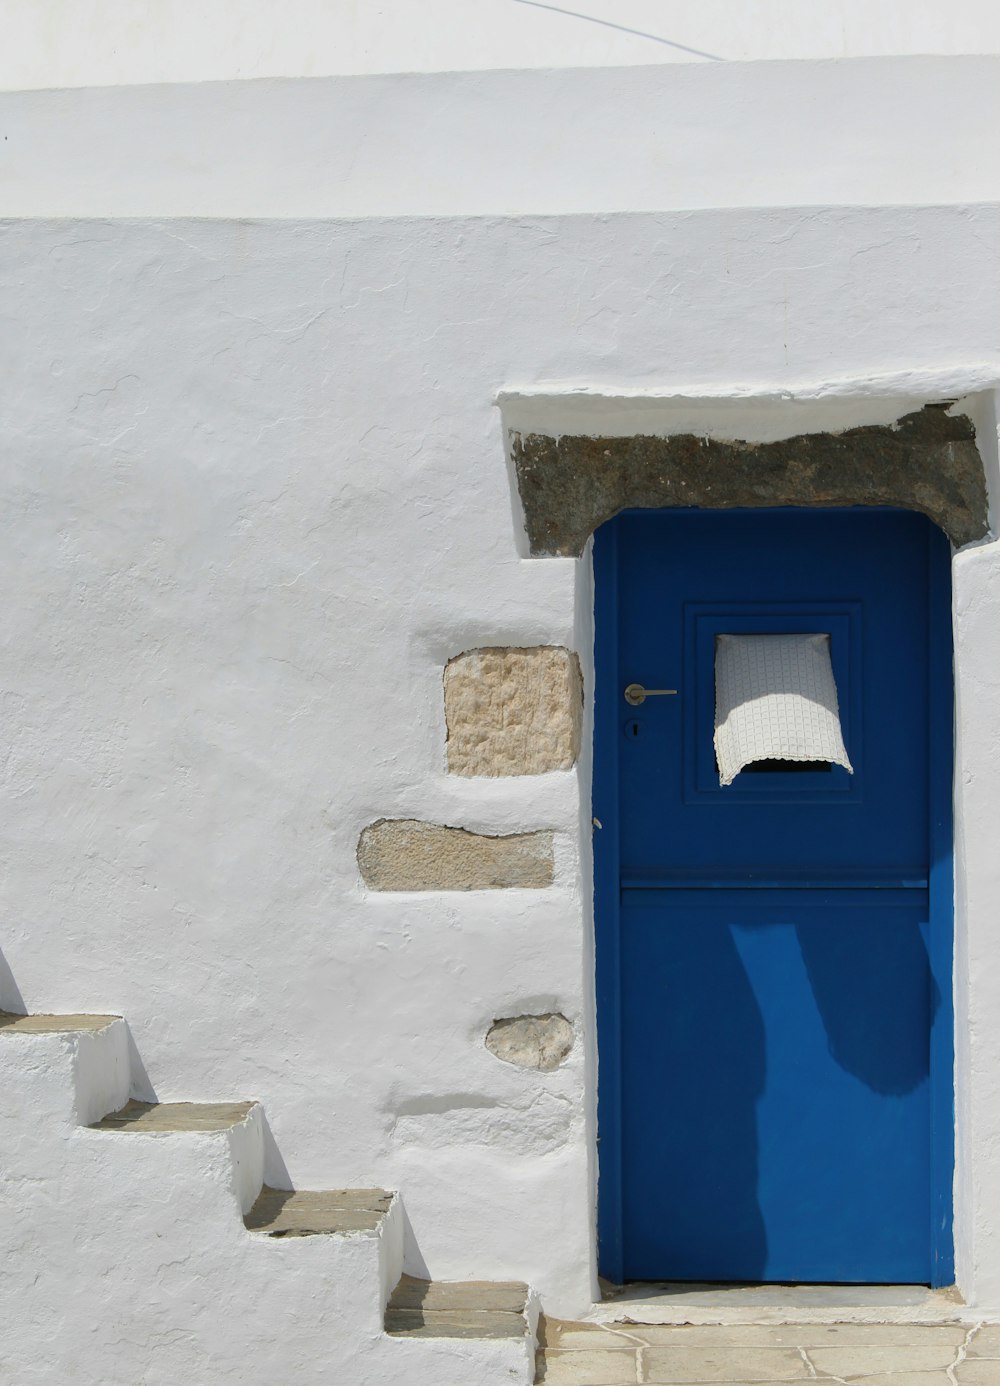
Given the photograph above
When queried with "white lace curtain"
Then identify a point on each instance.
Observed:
(775, 699)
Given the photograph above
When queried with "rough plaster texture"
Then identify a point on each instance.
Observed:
(254, 499)
(513, 712)
(926, 461)
(405, 854)
(531, 1041)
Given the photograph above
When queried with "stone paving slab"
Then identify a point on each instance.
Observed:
(671, 1366)
(858, 1354)
(576, 1335)
(899, 1379)
(579, 1337)
(585, 1368)
(986, 1343)
(861, 1361)
(977, 1373)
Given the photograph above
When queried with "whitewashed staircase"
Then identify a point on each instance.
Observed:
(140, 1246)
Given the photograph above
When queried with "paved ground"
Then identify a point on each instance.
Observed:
(879, 1354)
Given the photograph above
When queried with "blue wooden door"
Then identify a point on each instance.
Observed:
(773, 955)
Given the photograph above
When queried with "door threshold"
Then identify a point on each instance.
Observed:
(675, 1302)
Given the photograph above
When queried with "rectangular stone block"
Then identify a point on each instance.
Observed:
(513, 711)
(986, 1343)
(979, 1372)
(724, 1367)
(866, 1361)
(406, 854)
(611, 1368)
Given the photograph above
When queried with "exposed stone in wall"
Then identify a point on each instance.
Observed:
(927, 461)
(531, 1041)
(406, 854)
(513, 711)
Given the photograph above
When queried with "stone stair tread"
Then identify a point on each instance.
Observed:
(454, 1323)
(457, 1309)
(510, 1296)
(13, 1024)
(311, 1213)
(150, 1118)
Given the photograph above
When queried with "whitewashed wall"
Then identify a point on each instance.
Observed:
(874, 132)
(254, 496)
(68, 43)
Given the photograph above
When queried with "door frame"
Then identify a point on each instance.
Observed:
(607, 909)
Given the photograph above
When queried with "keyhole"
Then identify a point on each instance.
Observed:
(631, 729)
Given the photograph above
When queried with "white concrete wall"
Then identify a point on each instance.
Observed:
(57, 43)
(878, 132)
(254, 496)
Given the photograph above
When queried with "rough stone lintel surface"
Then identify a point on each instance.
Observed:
(513, 711)
(406, 854)
(927, 461)
(531, 1041)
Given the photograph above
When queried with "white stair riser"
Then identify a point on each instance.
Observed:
(337, 1278)
(458, 1361)
(246, 1153)
(63, 1080)
(102, 1072)
(182, 1186)
(391, 1251)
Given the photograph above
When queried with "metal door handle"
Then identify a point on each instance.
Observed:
(636, 694)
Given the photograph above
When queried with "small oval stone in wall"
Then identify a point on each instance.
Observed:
(531, 1041)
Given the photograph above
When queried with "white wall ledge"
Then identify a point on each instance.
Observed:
(857, 132)
(757, 412)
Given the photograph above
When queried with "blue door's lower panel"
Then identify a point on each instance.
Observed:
(774, 1071)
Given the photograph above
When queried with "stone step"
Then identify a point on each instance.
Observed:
(155, 1118)
(229, 1134)
(304, 1213)
(12, 1024)
(457, 1309)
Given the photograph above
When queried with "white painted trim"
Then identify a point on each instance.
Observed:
(757, 412)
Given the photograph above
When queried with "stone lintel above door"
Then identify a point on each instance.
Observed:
(926, 461)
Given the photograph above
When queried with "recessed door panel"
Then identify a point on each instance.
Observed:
(780, 1132)
(861, 578)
